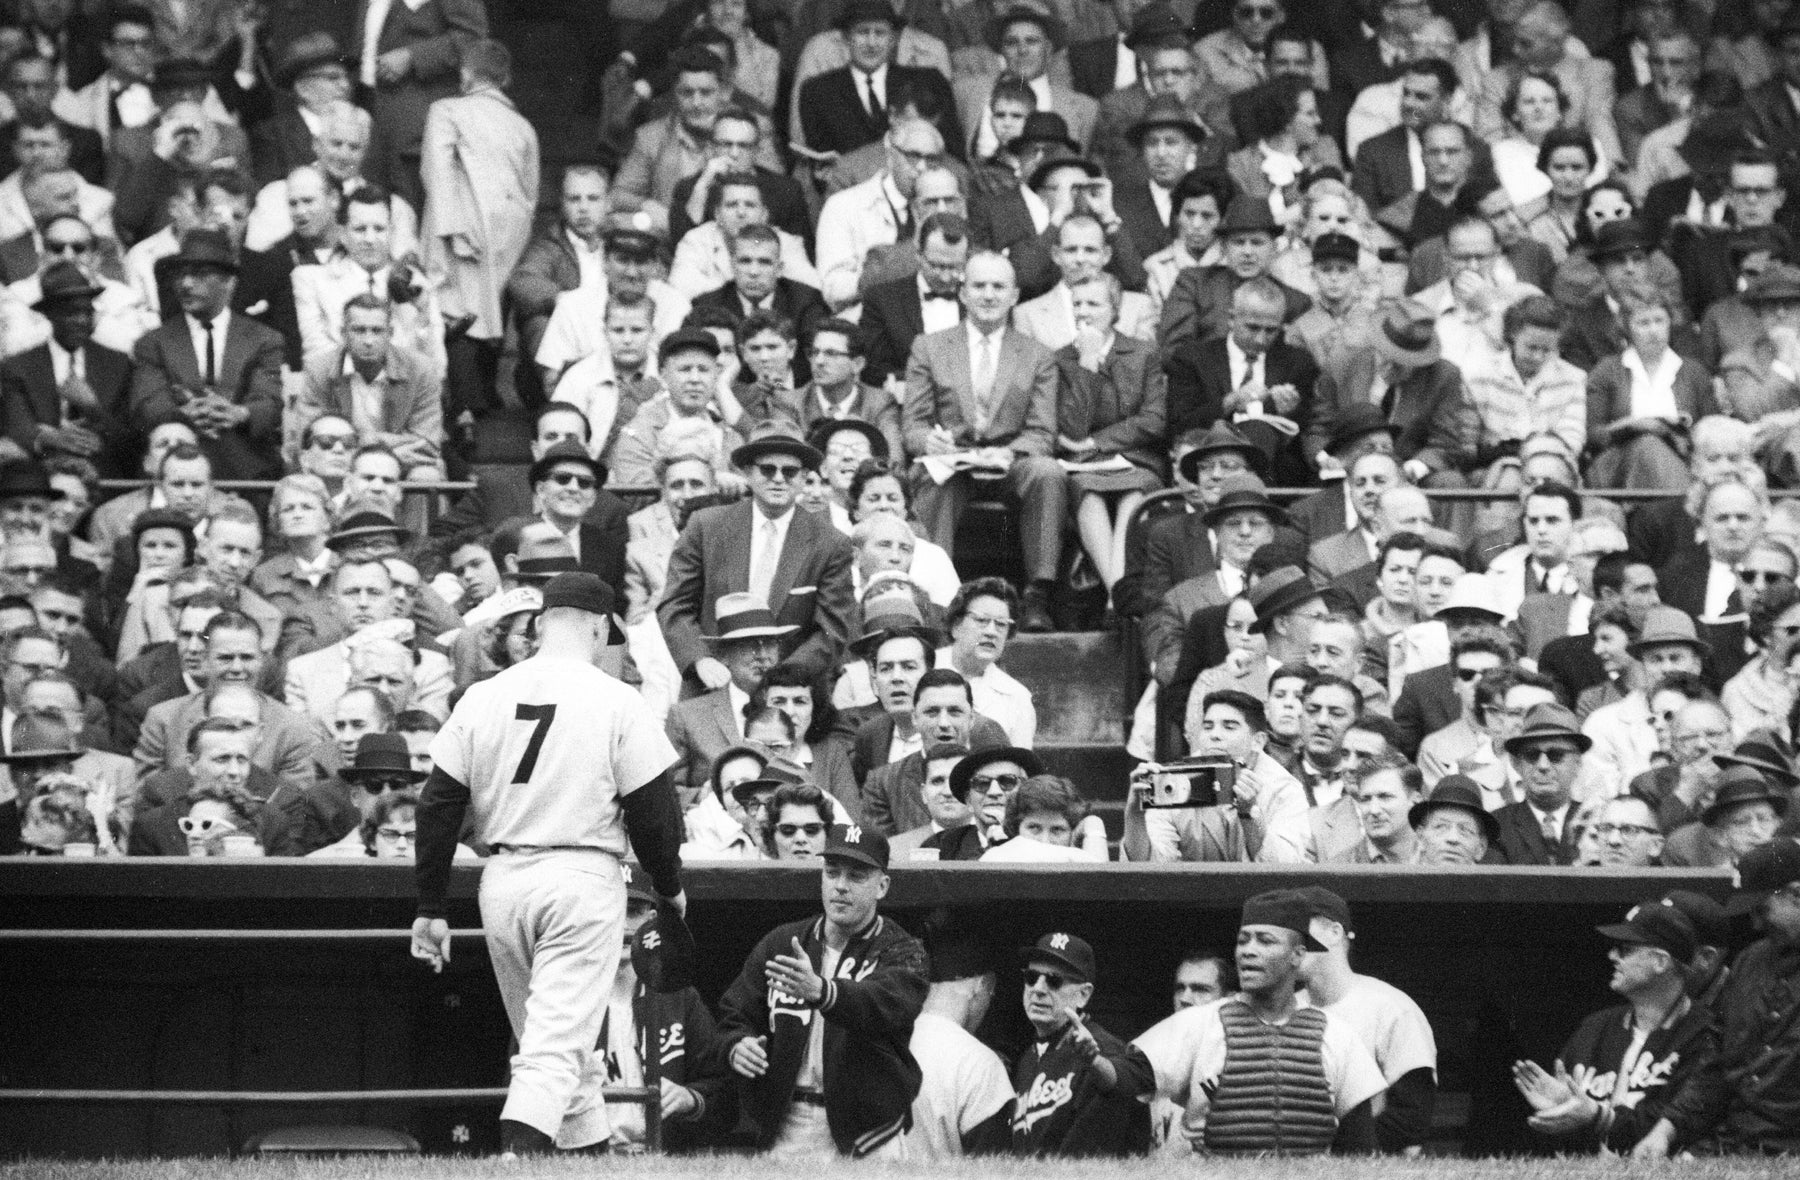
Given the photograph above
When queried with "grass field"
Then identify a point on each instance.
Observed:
(733, 1167)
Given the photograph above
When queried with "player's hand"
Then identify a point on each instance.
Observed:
(750, 1057)
(1080, 1039)
(795, 975)
(678, 1102)
(711, 672)
(679, 902)
(1538, 1087)
(431, 942)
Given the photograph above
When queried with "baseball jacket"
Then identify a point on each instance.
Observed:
(1747, 1097)
(1059, 1108)
(1670, 1056)
(684, 1039)
(869, 1007)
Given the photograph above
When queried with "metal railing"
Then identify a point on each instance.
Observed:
(648, 1096)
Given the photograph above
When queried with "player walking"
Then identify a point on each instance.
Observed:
(558, 762)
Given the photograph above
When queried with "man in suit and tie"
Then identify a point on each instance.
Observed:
(1355, 431)
(69, 395)
(1168, 140)
(410, 56)
(386, 390)
(265, 286)
(218, 371)
(1251, 378)
(943, 713)
(763, 545)
(897, 312)
(1027, 39)
(982, 395)
(843, 109)
(757, 285)
(119, 98)
(567, 481)
(1546, 753)
(31, 85)
(733, 147)
(747, 645)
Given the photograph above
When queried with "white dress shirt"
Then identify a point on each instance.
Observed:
(767, 536)
(936, 313)
(875, 83)
(1721, 580)
(1125, 71)
(588, 259)
(1245, 370)
(1653, 391)
(197, 333)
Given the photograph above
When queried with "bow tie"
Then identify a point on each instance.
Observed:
(930, 298)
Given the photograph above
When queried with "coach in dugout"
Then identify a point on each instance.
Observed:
(817, 1025)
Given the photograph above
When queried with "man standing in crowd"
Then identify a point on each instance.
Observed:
(817, 1024)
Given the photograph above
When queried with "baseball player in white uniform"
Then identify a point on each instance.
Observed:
(558, 763)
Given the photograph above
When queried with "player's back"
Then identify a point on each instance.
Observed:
(546, 748)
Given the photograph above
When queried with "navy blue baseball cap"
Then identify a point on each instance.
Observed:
(1067, 951)
(854, 842)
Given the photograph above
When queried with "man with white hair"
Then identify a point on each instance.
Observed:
(362, 593)
(342, 145)
(873, 213)
(1723, 448)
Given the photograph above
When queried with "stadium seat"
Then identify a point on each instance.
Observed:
(312, 1140)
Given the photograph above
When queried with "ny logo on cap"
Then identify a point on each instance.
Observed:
(853, 835)
(1059, 942)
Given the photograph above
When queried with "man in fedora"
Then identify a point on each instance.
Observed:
(1027, 38)
(747, 644)
(1168, 139)
(1745, 813)
(1747, 1099)
(1180, 545)
(1671, 650)
(1287, 604)
(987, 392)
(764, 546)
(1419, 392)
(502, 493)
(69, 394)
(382, 764)
(1452, 826)
(566, 482)
(1623, 1065)
(842, 109)
(314, 72)
(1248, 376)
(215, 370)
(1546, 755)
(1165, 67)
(1594, 331)
(1200, 304)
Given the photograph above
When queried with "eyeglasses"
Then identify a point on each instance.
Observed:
(989, 622)
(205, 826)
(985, 783)
(398, 836)
(787, 471)
(1050, 979)
(792, 830)
(332, 442)
(1556, 754)
(572, 479)
(1469, 674)
(830, 353)
(1629, 831)
(1257, 12)
(376, 786)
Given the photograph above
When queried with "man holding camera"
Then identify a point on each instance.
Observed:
(1232, 802)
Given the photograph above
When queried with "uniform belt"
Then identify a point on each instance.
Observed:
(527, 849)
(809, 1097)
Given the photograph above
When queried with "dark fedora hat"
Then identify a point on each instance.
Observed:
(1166, 110)
(1064, 160)
(64, 282)
(1243, 493)
(1546, 722)
(1620, 237)
(362, 526)
(567, 451)
(1278, 592)
(1739, 785)
(1045, 127)
(206, 249)
(963, 771)
(26, 479)
(776, 437)
(1247, 215)
(821, 434)
(1456, 790)
(308, 52)
(1408, 336)
(857, 12)
(1041, 17)
(1154, 22)
(1220, 438)
(1778, 284)
(1356, 421)
(1763, 751)
(37, 739)
(381, 756)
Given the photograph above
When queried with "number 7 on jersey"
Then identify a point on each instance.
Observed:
(540, 716)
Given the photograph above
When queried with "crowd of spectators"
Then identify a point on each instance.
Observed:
(835, 281)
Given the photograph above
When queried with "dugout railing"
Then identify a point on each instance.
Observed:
(179, 1007)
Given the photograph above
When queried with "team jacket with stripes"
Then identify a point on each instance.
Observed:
(1059, 1108)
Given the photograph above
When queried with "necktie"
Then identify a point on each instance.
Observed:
(986, 365)
(212, 364)
(876, 111)
(1552, 837)
(764, 554)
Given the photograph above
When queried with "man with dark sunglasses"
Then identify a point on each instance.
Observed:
(1546, 752)
(1077, 1086)
(566, 482)
(794, 561)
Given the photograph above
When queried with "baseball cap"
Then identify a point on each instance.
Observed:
(1711, 925)
(857, 843)
(1323, 903)
(1284, 908)
(1072, 954)
(1762, 871)
(579, 590)
(637, 883)
(1654, 924)
(687, 340)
